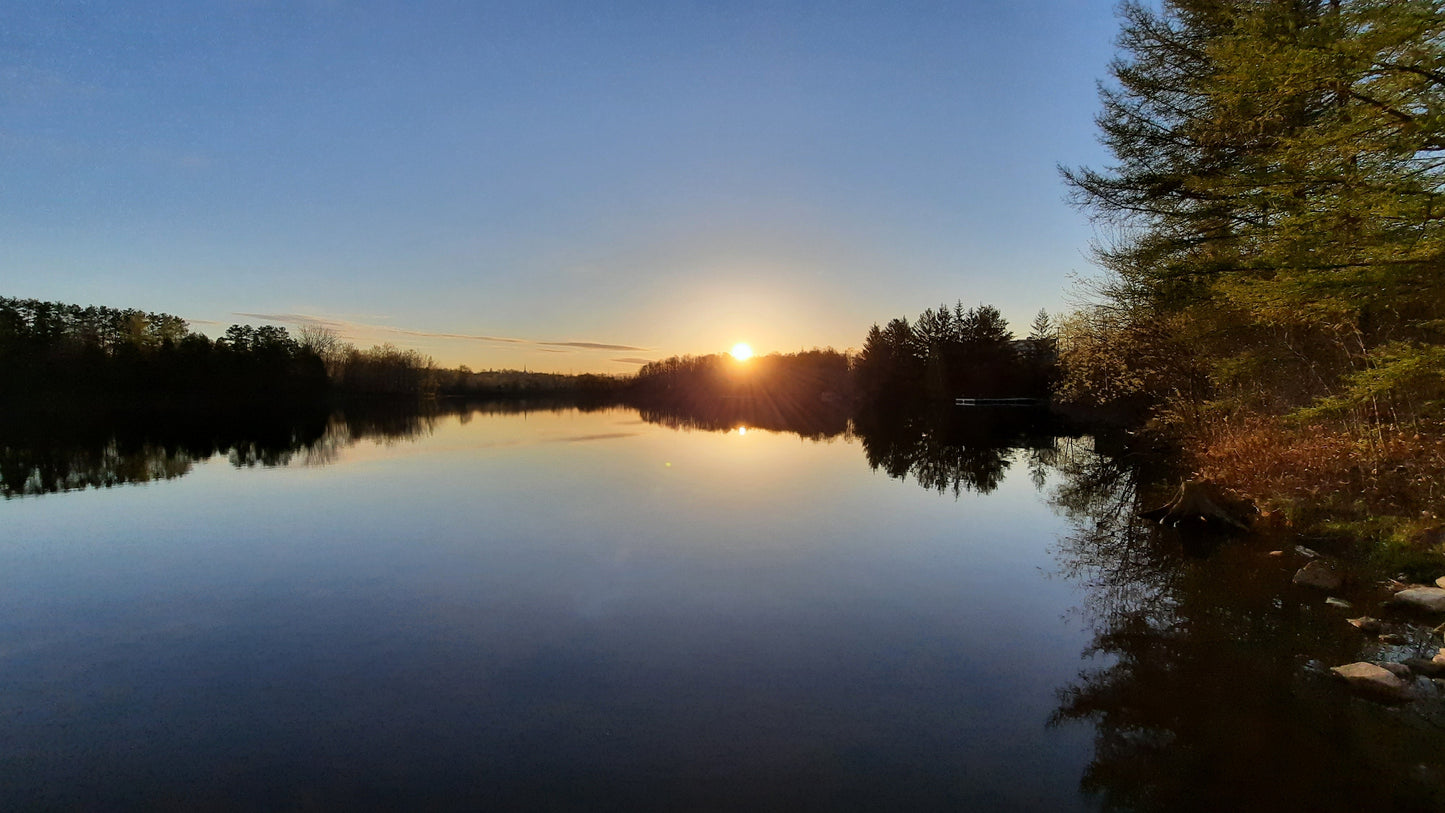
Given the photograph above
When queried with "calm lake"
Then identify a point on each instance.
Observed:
(594, 610)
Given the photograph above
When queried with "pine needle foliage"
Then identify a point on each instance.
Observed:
(1276, 206)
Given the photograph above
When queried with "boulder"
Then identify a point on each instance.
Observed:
(1339, 602)
(1399, 670)
(1440, 582)
(1374, 679)
(1424, 598)
(1318, 574)
(1430, 668)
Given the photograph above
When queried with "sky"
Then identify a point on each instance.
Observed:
(571, 187)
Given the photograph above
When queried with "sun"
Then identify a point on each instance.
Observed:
(742, 352)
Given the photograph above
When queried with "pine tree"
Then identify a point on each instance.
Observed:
(1277, 189)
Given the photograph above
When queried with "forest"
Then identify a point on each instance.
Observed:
(51, 351)
(54, 354)
(955, 352)
(1273, 295)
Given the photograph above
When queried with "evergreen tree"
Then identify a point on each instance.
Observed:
(1278, 187)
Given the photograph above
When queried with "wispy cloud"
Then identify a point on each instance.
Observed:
(630, 360)
(598, 436)
(348, 328)
(472, 336)
(594, 346)
(294, 318)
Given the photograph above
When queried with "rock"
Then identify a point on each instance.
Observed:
(1318, 574)
(1439, 656)
(1281, 553)
(1393, 638)
(1396, 586)
(1339, 602)
(1424, 598)
(1373, 679)
(1440, 582)
(1430, 668)
(1399, 670)
(1306, 552)
(1367, 624)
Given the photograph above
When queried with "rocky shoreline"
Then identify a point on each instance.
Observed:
(1411, 666)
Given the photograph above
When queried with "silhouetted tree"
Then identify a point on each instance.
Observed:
(946, 353)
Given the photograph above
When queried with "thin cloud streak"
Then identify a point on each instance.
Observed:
(599, 436)
(347, 326)
(594, 346)
(630, 360)
(473, 337)
(298, 318)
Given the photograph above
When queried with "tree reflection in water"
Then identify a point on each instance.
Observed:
(966, 449)
(44, 455)
(1210, 689)
(1214, 693)
(47, 454)
(822, 420)
(948, 451)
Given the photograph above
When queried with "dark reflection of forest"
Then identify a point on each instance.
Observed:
(948, 451)
(92, 449)
(819, 420)
(952, 450)
(1211, 689)
(963, 449)
(44, 454)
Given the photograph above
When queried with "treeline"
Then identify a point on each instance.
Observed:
(53, 352)
(811, 389)
(947, 353)
(955, 352)
(519, 385)
(1275, 295)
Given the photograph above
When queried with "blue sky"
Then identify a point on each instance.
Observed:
(504, 185)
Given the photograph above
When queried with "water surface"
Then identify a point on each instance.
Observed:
(567, 609)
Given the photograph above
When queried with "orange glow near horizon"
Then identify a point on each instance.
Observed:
(741, 351)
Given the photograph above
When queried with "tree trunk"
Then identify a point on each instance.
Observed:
(1203, 503)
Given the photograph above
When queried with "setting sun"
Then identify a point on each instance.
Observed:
(742, 352)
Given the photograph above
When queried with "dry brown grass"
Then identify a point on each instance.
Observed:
(1322, 473)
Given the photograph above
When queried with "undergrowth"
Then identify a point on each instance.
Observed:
(1385, 484)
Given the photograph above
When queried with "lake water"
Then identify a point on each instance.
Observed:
(589, 610)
